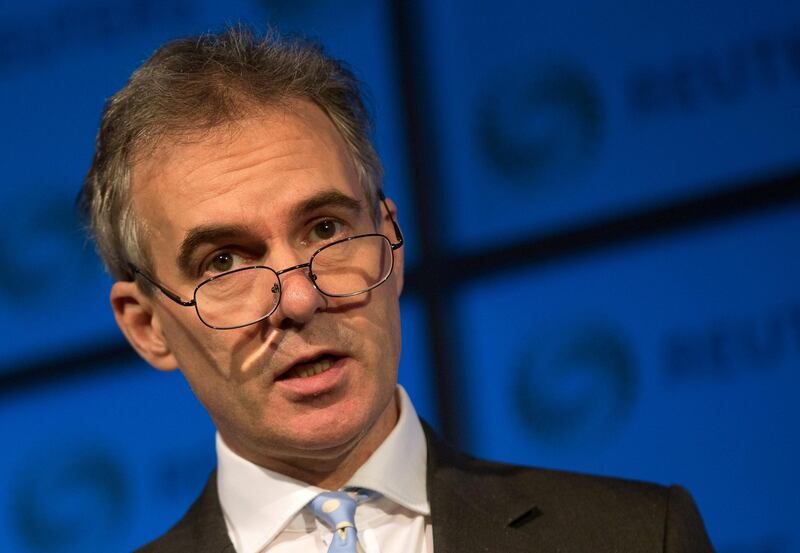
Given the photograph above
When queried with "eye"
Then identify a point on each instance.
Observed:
(223, 262)
(325, 231)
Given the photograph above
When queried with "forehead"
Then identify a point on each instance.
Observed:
(252, 171)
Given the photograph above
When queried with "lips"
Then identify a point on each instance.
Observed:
(317, 365)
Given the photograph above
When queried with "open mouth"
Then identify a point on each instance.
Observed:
(311, 368)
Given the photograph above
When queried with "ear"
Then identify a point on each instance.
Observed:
(133, 310)
(399, 253)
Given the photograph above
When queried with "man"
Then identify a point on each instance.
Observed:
(235, 197)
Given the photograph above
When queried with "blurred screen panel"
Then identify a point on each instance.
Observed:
(416, 373)
(554, 115)
(101, 463)
(672, 360)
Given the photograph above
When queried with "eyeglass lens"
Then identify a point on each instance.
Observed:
(353, 266)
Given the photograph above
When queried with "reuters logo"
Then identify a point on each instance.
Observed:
(576, 385)
(540, 126)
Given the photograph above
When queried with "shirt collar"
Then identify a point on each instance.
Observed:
(258, 503)
(398, 468)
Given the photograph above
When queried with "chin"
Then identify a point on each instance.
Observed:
(331, 432)
(334, 435)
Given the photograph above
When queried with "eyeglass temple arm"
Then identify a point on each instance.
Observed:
(397, 233)
(171, 295)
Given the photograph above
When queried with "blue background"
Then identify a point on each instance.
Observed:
(668, 355)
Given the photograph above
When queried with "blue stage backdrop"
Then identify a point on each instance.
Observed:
(665, 349)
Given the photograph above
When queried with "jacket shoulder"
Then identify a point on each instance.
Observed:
(567, 511)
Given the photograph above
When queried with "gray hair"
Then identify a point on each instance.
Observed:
(197, 84)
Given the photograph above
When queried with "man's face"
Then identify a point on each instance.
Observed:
(266, 191)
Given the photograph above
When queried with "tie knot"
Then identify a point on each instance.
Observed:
(338, 509)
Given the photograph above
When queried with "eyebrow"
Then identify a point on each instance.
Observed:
(201, 235)
(330, 198)
(210, 234)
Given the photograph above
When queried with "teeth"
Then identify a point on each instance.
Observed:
(304, 371)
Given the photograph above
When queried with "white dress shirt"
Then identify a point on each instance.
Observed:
(264, 510)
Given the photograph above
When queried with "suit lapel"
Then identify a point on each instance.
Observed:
(202, 528)
(211, 531)
(475, 511)
(461, 527)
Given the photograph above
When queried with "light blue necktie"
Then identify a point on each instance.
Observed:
(338, 510)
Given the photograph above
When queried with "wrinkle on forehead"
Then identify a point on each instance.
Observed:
(226, 154)
(171, 185)
(235, 167)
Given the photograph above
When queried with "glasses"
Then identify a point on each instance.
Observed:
(245, 296)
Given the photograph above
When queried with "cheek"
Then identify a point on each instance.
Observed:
(207, 364)
(383, 334)
(202, 353)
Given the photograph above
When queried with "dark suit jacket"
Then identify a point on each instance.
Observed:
(478, 506)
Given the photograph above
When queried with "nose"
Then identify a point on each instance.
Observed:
(299, 300)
